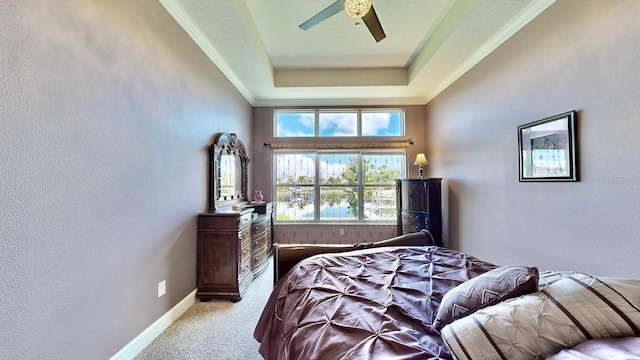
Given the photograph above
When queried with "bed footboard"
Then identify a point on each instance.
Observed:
(286, 256)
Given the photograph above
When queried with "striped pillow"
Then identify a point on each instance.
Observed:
(565, 313)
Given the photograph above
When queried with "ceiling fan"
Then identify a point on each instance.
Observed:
(356, 9)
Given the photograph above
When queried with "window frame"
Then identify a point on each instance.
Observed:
(357, 111)
(361, 153)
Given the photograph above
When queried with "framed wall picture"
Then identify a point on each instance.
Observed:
(547, 149)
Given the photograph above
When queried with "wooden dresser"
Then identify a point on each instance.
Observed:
(233, 248)
(419, 206)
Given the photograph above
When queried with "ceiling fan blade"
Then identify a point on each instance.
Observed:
(331, 10)
(372, 22)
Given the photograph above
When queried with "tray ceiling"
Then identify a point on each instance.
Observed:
(258, 45)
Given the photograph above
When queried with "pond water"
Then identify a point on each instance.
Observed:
(294, 211)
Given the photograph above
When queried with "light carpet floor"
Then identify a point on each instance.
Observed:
(218, 329)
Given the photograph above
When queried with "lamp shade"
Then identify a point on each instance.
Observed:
(421, 160)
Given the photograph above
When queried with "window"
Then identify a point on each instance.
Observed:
(337, 186)
(337, 123)
(338, 181)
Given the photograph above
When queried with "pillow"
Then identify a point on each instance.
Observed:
(611, 348)
(567, 312)
(486, 289)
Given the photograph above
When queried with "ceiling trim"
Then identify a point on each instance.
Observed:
(180, 15)
(528, 14)
(454, 13)
(341, 77)
(339, 102)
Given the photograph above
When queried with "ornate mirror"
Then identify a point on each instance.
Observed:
(227, 171)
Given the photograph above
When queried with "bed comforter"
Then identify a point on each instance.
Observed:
(374, 303)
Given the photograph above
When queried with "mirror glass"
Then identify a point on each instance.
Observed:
(228, 176)
(227, 171)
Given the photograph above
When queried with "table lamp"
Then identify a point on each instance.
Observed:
(420, 160)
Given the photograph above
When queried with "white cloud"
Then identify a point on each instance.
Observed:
(297, 165)
(344, 124)
(373, 122)
(294, 165)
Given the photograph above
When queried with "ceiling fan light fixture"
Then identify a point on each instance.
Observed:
(357, 8)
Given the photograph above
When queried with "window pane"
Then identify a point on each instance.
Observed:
(380, 203)
(295, 203)
(338, 124)
(290, 124)
(295, 169)
(382, 123)
(338, 203)
(295, 180)
(382, 169)
(380, 172)
(338, 168)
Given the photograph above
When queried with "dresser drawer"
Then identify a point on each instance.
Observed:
(244, 237)
(261, 241)
(414, 222)
(419, 195)
(217, 223)
(260, 226)
(245, 269)
(244, 253)
(244, 260)
(221, 222)
(244, 220)
(259, 257)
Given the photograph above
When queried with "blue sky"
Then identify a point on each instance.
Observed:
(339, 124)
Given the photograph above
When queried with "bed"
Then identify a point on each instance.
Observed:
(403, 298)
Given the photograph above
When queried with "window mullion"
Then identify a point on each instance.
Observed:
(316, 188)
(360, 187)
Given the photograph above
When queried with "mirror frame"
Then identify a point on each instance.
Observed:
(227, 144)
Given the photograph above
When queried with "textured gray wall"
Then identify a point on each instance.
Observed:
(578, 54)
(106, 110)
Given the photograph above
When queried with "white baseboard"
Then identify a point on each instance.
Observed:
(146, 337)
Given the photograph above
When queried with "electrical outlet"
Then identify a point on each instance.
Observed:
(162, 287)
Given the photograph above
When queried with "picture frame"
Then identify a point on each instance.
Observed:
(548, 150)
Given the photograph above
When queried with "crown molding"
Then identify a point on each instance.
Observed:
(175, 9)
(339, 102)
(512, 27)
